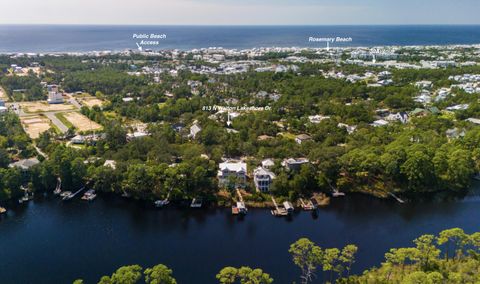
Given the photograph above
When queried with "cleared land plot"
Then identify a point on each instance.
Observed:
(35, 107)
(3, 94)
(81, 122)
(91, 102)
(35, 125)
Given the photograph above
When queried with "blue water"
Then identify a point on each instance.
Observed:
(63, 38)
(50, 241)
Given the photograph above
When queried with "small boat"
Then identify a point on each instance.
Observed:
(161, 203)
(2, 210)
(314, 202)
(196, 203)
(337, 193)
(89, 195)
(239, 209)
(66, 195)
(278, 212)
(26, 197)
(126, 195)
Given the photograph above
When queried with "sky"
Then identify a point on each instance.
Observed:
(239, 12)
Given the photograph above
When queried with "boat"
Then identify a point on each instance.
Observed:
(161, 203)
(196, 203)
(289, 207)
(26, 197)
(314, 202)
(126, 195)
(89, 195)
(66, 195)
(278, 212)
(239, 209)
(2, 210)
(337, 193)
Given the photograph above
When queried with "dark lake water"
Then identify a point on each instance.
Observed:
(49, 241)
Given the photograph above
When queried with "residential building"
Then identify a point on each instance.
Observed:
(302, 138)
(25, 164)
(194, 130)
(232, 171)
(263, 179)
(294, 164)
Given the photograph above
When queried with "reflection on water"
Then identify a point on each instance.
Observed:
(58, 242)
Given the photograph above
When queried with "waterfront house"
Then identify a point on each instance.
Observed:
(232, 171)
(263, 179)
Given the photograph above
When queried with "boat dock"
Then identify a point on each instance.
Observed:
(308, 206)
(72, 195)
(396, 198)
(240, 207)
(284, 210)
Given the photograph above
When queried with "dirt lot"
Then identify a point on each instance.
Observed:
(34, 125)
(3, 94)
(90, 101)
(81, 122)
(33, 107)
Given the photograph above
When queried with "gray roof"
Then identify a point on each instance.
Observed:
(25, 164)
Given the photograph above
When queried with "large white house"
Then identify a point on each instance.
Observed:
(54, 96)
(263, 179)
(232, 171)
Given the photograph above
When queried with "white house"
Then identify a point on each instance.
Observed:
(263, 179)
(194, 130)
(268, 163)
(55, 98)
(232, 170)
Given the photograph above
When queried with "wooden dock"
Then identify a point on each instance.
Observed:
(309, 206)
(396, 198)
(278, 211)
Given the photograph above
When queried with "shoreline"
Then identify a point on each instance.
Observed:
(272, 48)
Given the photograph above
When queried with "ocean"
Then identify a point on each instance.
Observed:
(79, 38)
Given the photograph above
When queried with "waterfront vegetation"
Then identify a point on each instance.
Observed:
(406, 159)
(452, 256)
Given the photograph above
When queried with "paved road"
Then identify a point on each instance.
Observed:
(56, 121)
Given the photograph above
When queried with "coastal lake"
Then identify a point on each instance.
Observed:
(50, 241)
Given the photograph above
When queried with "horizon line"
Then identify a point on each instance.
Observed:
(233, 25)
